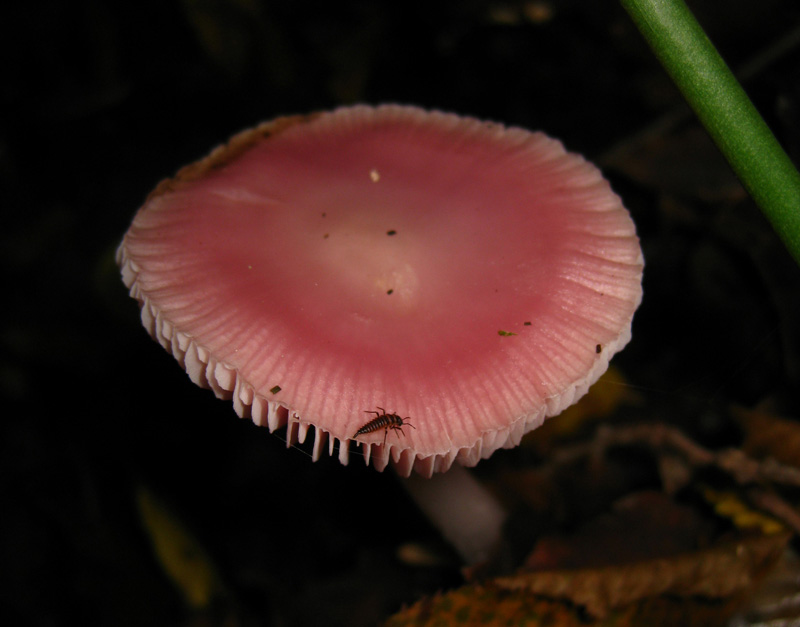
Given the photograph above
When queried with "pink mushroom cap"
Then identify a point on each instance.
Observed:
(469, 278)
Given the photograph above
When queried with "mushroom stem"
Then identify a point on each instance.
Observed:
(468, 516)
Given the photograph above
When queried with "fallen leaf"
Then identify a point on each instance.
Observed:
(766, 435)
(180, 554)
(716, 573)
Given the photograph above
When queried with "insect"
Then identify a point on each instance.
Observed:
(384, 421)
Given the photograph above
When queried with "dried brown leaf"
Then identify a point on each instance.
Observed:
(718, 572)
(485, 605)
(642, 526)
(770, 436)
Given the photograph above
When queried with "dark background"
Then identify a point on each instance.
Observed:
(100, 100)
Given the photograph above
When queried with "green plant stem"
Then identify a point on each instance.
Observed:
(725, 110)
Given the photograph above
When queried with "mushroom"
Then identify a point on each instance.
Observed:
(454, 280)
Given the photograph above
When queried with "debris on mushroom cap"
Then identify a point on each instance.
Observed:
(267, 271)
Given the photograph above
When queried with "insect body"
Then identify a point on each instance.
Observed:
(384, 421)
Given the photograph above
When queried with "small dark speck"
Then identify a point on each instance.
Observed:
(324, 214)
(527, 324)
(389, 291)
(325, 236)
(502, 333)
(598, 349)
(392, 232)
(275, 389)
